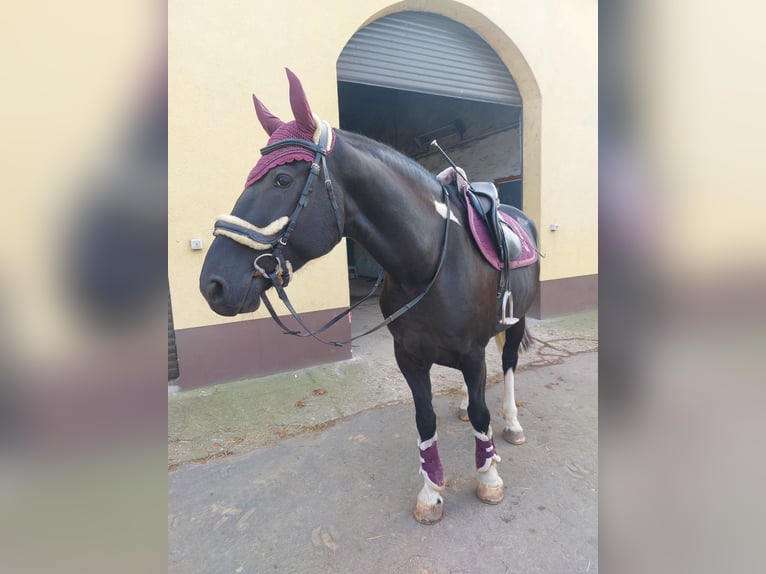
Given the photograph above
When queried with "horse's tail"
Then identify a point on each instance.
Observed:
(526, 340)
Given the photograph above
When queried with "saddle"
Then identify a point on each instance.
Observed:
(484, 199)
(501, 240)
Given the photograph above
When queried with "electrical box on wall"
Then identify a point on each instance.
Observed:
(196, 244)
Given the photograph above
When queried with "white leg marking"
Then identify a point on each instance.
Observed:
(510, 410)
(464, 402)
(428, 495)
(441, 209)
(490, 477)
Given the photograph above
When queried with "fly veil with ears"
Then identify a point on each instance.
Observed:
(306, 138)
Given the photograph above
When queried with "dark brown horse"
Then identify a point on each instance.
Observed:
(441, 290)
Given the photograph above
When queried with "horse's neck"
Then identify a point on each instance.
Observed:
(392, 216)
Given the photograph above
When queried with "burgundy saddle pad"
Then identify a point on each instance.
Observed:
(482, 237)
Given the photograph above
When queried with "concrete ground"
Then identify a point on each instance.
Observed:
(316, 470)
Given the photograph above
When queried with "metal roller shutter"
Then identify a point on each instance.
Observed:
(173, 370)
(427, 53)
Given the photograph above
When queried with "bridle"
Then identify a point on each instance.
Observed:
(241, 231)
(246, 234)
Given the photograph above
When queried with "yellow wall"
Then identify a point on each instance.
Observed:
(221, 53)
(551, 49)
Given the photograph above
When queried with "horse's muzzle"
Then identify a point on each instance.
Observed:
(228, 301)
(215, 290)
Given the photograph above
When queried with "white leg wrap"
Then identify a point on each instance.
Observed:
(424, 444)
(436, 469)
(489, 455)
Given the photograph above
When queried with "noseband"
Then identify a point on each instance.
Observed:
(245, 233)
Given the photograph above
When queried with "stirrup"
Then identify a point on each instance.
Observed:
(506, 310)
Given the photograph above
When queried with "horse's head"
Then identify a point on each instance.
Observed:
(274, 230)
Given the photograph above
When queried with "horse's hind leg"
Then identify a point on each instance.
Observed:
(512, 431)
(462, 410)
(489, 487)
(429, 507)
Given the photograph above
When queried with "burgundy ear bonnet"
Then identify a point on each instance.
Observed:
(304, 126)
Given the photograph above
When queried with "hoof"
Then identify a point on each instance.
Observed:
(462, 414)
(514, 437)
(489, 494)
(428, 514)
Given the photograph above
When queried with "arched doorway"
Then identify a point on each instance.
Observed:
(410, 77)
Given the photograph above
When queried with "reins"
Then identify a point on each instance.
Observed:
(244, 233)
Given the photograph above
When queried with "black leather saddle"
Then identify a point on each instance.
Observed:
(485, 200)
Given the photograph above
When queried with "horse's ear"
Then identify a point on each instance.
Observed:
(269, 121)
(300, 104)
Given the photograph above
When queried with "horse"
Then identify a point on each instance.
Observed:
(441, 292)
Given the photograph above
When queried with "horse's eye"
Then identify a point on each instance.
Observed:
(283, 180)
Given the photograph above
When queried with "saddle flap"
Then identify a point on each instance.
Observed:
(488, 231)
(511, 239)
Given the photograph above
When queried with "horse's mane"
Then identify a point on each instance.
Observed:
(392, 158)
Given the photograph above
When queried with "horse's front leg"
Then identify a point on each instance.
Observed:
(512, 431)
(489, 487)
(429, 507)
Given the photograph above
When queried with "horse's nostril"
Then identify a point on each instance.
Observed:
(215, 290)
